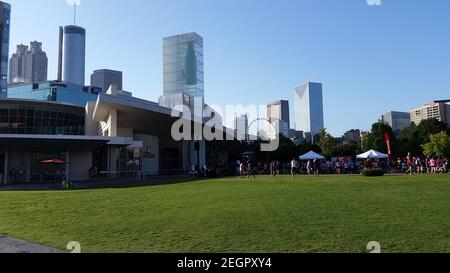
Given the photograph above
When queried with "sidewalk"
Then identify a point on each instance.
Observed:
(11, 245)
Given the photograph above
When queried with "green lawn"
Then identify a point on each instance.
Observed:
(306, 214)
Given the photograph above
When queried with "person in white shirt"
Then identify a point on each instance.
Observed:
(294, 166)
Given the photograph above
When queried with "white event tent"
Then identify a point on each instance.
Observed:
(372, 154)
(311, 156)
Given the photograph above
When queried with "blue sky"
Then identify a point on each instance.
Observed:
(370, 59)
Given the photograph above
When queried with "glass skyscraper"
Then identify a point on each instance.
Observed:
(183, 66)
(308, 101)
(5, 18)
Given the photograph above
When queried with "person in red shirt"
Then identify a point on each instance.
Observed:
(410, 162)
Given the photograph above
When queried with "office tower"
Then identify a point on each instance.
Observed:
(183, 66)
(281, 127)
(278, 110)
(241, 127)
(397, 120)
(5, 19)
(353, 135)
(74, 54)
(439, 110)
(104, 78)
(17, 65)
(308, 104)
(36, 63)
(28, 65)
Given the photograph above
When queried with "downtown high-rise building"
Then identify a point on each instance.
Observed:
(353, 135)
(28, 64)
(308, 104)
(72, 54)
(278, 114)
(17, 65)
(5, 21)
(183, 69)
(241, 127)
(439, 110)
(104, 78)
(397, 120)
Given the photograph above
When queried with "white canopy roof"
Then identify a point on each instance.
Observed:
(372, 154)
(311, 155)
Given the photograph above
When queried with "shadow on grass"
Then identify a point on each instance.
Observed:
(100, 185)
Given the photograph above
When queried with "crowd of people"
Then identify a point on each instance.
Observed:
(409, 165)
(421, 165)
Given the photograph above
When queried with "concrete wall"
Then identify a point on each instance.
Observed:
(91, 126)
(80, 162)
(125, 132)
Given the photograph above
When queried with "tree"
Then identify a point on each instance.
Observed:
(439, 145)
(346, 149)
(327, 143)
(413, 138)
(409, 141)
(305, 147)
(429, 127)
(365, 142)
(376, 140)
(286, 150)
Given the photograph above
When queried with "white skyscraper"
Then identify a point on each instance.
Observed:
(74, 55)
(308, 104)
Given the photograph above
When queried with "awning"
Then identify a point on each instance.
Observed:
(311, 156)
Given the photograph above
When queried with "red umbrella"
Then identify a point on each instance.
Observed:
(54, 161)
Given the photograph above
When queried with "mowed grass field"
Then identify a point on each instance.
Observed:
(305, 214)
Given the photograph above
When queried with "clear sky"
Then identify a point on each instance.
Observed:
(370, 59)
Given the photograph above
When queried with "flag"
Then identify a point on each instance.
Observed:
(388, 144)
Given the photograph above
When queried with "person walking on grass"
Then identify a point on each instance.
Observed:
(316, 166)
(294, 167)
(251, 172)
(309, 167)
(410, 163)
(433, 163)
(277, 168)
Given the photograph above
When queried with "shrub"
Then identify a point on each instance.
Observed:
(373, 172)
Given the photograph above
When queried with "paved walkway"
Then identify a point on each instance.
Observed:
(11, 245)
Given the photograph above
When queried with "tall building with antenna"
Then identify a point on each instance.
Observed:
(72, 53)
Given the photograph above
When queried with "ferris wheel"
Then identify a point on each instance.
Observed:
(262, 129)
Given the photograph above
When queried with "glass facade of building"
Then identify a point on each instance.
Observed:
(5, 18)
(308, 102)
(55, 91)
(183, 65)
(24, 117)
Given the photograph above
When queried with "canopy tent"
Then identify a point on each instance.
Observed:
(311, 156)
(372, 154)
